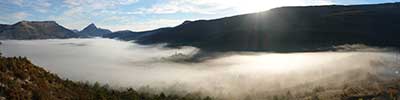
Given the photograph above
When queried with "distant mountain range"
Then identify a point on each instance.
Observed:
(47, 30)
(284, 29)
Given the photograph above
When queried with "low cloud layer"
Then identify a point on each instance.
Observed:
(234, 75)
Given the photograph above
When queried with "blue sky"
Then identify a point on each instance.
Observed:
(139, 15)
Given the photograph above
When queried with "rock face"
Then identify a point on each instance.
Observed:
(35, 30)
(92, 31)
(289, 29)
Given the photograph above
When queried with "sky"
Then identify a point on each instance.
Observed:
(140, 15)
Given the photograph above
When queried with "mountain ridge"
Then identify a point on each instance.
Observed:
(128, 35)
(35, 30)
(92, 30)
(289, 29)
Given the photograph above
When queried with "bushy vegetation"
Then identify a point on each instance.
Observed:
(21, 80)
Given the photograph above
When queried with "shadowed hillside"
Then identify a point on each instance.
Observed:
(289, 29)
(129, 35)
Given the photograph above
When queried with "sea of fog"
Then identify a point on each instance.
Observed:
(233, 75)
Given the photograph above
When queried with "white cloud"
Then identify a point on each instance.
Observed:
(17, 2)
(37, 5)
(14, 17)
(72, 18)
(182, 6)
(42, 6)
(217, 6)
(20, 15)
(97, 4)
(80, 13)
(70, 21)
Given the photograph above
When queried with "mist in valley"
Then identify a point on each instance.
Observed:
(229, 75)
